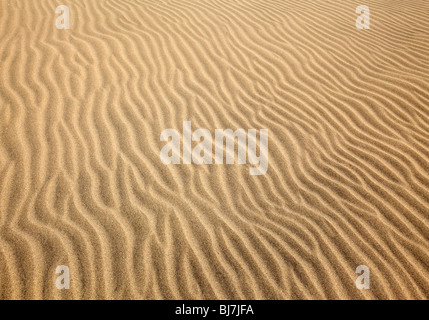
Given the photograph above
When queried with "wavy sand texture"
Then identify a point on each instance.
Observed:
(82, 184)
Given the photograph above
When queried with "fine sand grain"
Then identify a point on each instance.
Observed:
(82, 184)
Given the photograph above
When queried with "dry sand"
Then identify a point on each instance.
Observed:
(82, 184)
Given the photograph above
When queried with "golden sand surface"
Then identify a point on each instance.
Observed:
(82, 184)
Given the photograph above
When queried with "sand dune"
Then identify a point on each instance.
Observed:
(82, 184)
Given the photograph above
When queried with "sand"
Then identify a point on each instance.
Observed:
(82, 183)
